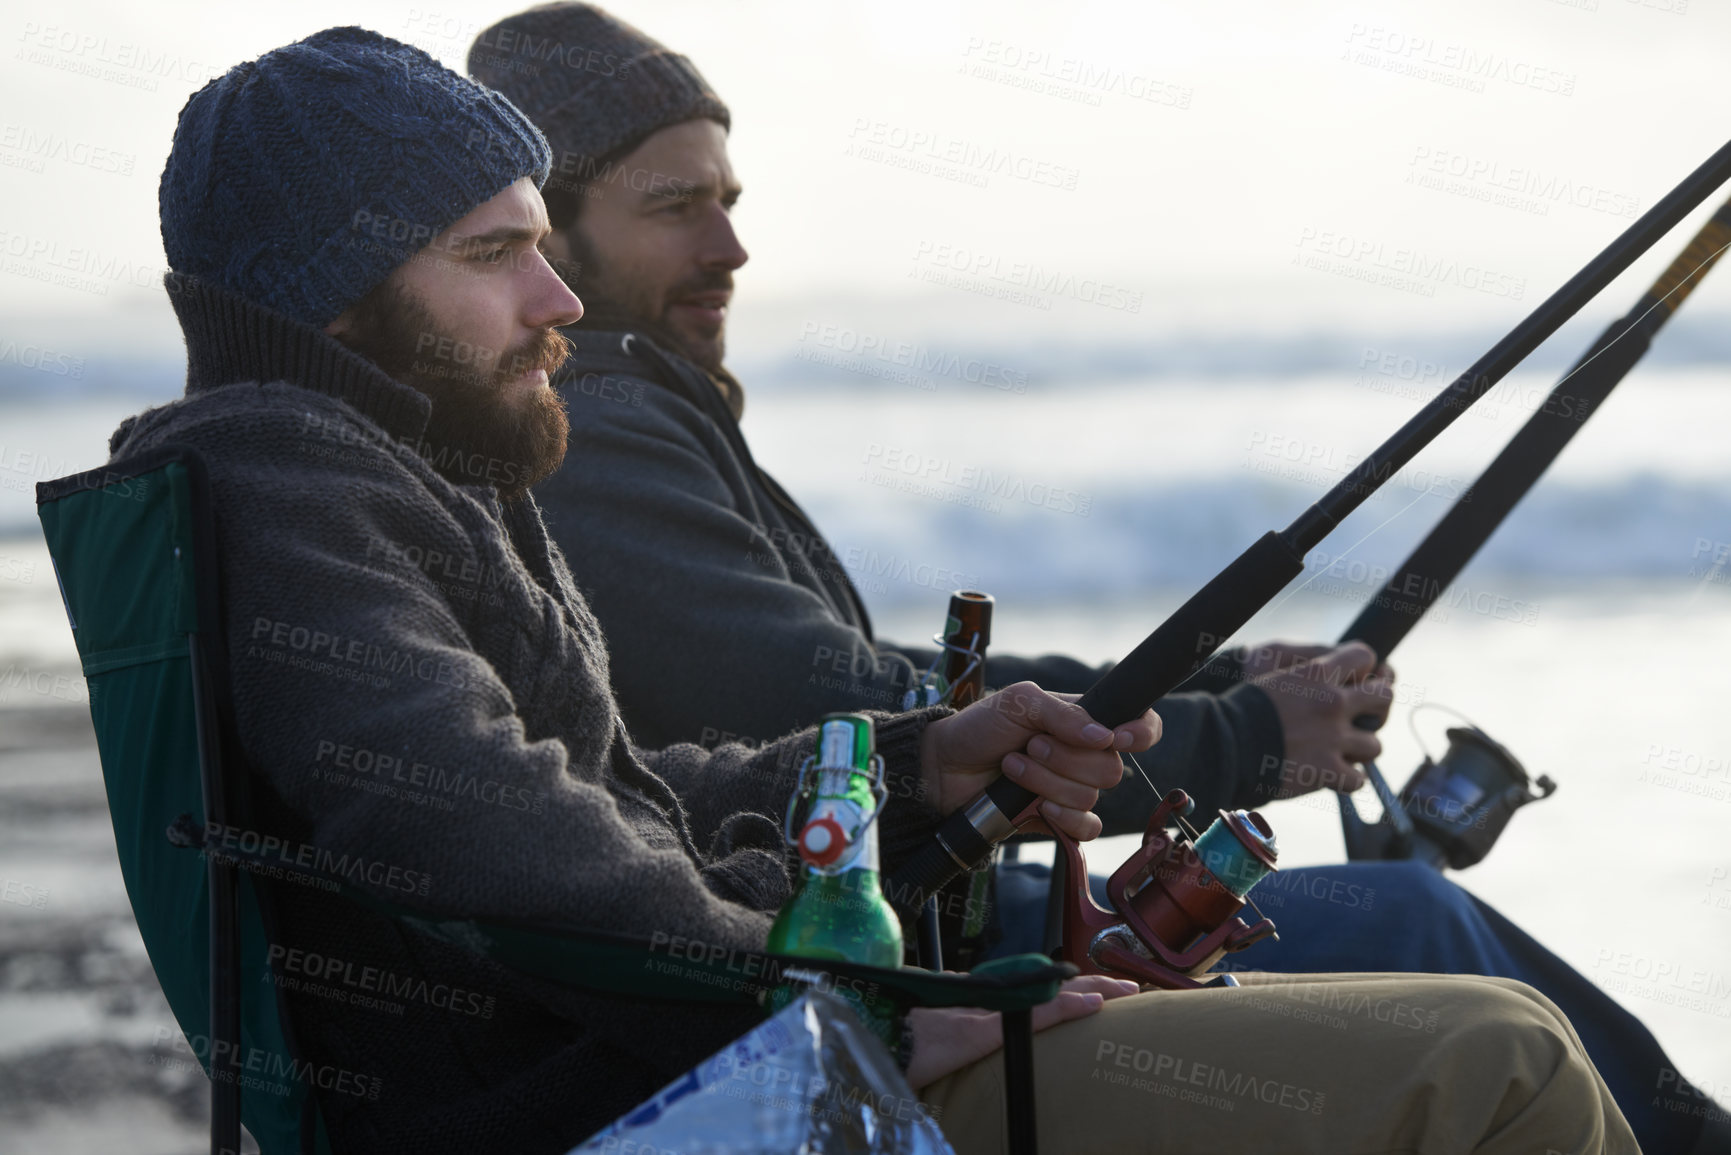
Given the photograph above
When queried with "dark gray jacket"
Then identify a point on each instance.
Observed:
(417, 682)
(731, 618)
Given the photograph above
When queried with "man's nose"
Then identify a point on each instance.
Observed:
(721, 247)
(551, 302)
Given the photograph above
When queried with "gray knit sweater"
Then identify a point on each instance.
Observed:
(416, 680)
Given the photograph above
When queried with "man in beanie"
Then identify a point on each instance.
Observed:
(352, 234)
(663, 483)
(729, 614)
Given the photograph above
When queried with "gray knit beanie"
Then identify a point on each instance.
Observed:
(593, 83)
(300, 180)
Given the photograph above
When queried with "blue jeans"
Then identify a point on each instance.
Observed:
(1404, 916)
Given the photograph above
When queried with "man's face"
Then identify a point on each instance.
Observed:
(471, 321)
(654, 242)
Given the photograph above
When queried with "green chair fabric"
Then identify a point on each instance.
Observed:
(131, 552)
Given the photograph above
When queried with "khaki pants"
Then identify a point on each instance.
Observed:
(1331, 1064)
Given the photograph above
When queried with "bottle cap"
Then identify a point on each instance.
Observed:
(822, 841)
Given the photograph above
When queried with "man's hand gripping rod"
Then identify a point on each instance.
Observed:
(1219, 609)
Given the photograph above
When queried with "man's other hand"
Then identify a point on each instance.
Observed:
(1317, 700)
(1042, 741)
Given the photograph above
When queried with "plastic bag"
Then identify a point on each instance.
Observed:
(813, 1079)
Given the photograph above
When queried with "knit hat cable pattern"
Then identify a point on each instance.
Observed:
(300, 180)
(594, 84)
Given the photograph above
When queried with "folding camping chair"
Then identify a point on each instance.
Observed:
(134, 547)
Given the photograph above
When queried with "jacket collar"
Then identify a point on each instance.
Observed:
(606, 350)
(627, 351)
(230, 340)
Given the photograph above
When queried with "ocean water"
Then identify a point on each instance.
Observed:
(1117, 487)
(1592, 638)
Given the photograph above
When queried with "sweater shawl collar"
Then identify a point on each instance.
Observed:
(230, 340)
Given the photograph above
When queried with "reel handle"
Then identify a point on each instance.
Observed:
(1360, 841)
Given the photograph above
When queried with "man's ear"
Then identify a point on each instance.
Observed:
(340, 327)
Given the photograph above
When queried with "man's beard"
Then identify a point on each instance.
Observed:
(477, 432)
(610, 304)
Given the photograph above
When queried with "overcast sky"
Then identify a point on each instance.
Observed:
(1266, 167)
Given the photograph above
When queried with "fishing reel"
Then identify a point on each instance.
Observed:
(1453, 809)
(1179, 900)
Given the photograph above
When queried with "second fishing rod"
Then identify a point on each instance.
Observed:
(1455, 807)
(1190, 636)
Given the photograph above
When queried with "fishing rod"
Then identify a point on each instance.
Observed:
(1439, 559)
(1454, 808)
(1189, 637)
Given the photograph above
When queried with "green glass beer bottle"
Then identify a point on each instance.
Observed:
(838, 910)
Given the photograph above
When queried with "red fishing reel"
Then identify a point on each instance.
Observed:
(1178, 900)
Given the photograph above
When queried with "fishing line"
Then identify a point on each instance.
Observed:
(1678, 287)
(1687, 277)
(1412, 723)
(1348, 551)
(1184, 823)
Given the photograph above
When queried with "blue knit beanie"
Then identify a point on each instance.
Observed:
(300, 180)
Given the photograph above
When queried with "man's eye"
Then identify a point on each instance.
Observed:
(493, 256)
